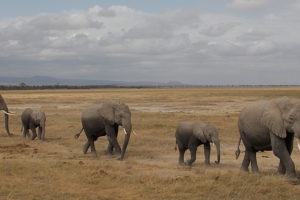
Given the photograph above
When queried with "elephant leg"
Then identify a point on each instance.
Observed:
(246, 162)
(111, 136)
(252, 157)
(207, 153)
(40, 133)
(193, 151)
(110, 146)
(280, 150)
(33, 133)
(281, 169)
(25, 132)
(110, 149)
(86, 147)
(289, 141)
(93, 149)
(181, 156)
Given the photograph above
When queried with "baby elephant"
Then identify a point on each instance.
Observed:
(31, 119)
(191, 134)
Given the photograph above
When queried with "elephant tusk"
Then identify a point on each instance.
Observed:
(134, 132)
(125, 131)
(8, 113)
(298, 143)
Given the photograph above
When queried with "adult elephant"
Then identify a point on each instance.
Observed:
(32, 119)
(270, 125)
(105, 119)
(191, 134)
(4, 109)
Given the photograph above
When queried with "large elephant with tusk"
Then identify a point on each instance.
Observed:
(104, 119)
(270, 125)
(4, 109)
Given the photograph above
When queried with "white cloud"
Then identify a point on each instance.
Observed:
(249, 4)
(120, 43)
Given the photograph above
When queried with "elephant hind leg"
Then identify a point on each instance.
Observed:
(246, 162)
(252, 157)
(193, 151)
(86, 147)
(181, 156)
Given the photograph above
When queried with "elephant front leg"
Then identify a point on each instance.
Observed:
(33, 133)
(40, 134)
(207, 153)
(110, 148)
(289, 141)
(282, 152)
(112, 139)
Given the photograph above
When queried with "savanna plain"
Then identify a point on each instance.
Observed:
(57, 168)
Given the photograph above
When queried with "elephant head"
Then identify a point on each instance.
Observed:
(208, 133)
(292, 122)
(4, 109)
(118, 113)
(282, 116)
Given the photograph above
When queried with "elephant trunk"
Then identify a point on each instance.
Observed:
(128, 130)
(6, 118)
(217, 143)
(6, 124)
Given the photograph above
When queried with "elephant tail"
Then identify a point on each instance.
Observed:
(22, 128)
(76, 136)
(238, 151)
(175, 146)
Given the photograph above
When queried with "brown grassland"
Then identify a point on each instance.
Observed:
(57, 169)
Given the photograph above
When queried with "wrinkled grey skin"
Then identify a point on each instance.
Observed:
(105, 119)
(191, 134)
(32, 119)
(4, 107)
(270, 125)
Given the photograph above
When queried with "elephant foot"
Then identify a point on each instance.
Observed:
(294, 180)
(181, 163)
(244, 169)
(109, 154)
(189, 163)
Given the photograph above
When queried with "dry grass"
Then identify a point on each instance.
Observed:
(57, 169)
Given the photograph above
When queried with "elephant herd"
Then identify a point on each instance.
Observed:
(263, 125)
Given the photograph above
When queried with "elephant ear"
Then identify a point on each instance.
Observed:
(107, 111)
(272, 118)
(198, 133)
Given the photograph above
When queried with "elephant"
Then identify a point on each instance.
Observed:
(31, 119)
(4, 109)
(191, 134)
(104, 119)
(267, 125)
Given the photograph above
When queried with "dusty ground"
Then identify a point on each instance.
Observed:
(57, 168)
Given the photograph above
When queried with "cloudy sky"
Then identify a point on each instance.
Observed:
(192, 41)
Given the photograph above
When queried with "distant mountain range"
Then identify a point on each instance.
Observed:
(46, 80)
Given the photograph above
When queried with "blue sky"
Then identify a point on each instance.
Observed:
(197, 42)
